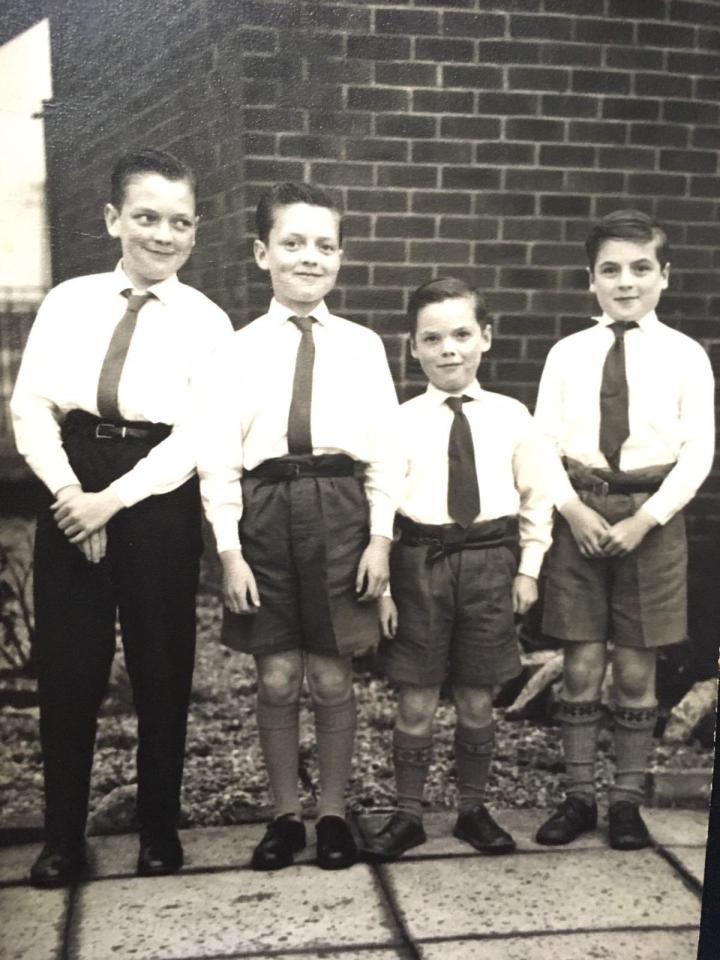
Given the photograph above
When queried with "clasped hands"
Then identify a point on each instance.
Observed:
(597, 537)
(82, 517)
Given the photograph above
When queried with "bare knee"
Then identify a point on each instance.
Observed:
(583, 671)
(416, 710)
(280, 678)
(329, 679)
(474, 706)
(634, 676)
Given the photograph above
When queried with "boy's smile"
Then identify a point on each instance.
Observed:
(156, 227)
(449, 343)
(627, 279)
(302, 255)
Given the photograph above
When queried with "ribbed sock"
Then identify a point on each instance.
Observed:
(580, 722)
(412, 757)
(473, 755)
(633, 739)
(335, 738)
(279, 730)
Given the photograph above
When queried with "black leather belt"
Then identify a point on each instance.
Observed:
(603, 482)
(293, 468)
(91, 426)
(445, 539)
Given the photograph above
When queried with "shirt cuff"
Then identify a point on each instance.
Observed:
(61, 478)
(657, 510)
(531, 558)
(128, 490)
(382, 519)
(227, 535)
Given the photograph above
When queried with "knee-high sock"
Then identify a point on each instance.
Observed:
(412, 756)
(633, 739)
(278, 726)
(335, 738)
(580, 723)
(473, 755)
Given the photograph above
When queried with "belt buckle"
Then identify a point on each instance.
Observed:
(294, 471)
(110, 431)
(603, 488)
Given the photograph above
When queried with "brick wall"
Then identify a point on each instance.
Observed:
(464, 137)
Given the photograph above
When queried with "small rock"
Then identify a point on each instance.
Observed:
(115, 813)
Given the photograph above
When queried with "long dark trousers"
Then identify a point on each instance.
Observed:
(149, 579)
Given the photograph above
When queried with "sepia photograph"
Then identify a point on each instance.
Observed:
(359, 506)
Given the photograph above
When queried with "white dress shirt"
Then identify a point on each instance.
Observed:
(511, 460)
(175, 332)
(243, 411)
(671, 408)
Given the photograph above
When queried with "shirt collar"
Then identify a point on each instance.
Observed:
(163, 290)
(281, 314)
(473, 390)
(645, 323)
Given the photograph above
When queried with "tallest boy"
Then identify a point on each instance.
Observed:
(100, 412)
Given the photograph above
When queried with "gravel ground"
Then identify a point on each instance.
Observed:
(224, 778)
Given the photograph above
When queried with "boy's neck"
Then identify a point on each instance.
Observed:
(299, 309)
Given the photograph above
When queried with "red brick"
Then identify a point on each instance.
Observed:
(356, 225)
(449, 51)
(690, 111)
(540, 229)
(442, 101)
(307, 147)
(534, 130)
(339, 174)
(405, 125)
(705, 186)
(527, 278)
(703, 12)
(505, 204)
(564, 155)
(378, 48)
(402, 22)
(600, 81)
(473, 25)
(540, 28)
(634, 58)
(397, 276)
(375, 149)
(556, 254)
(348, 123)
(439, 251)
(500, 253)
(564, 206)
(441, 201)
(569, 106)
(377, 201)
(508, 51)
(472, 128)
(689, 161)
(375, 298)
(539, 78)
(504, 153)
(607, 31)
(571, 55)
(407, 176)
(662, 85)
(268, 171)
(508, 103)
(439, 151)
(469, 178)
(340, 71)
(630, 108)
(707, 88)
(597, 132)
(377, 98)
(660, 134)
(485, 78)
(405, 226)
(407, 74)
(592, 181)
(536, 179)
(469, 228)
(372, 251)
(638, 9)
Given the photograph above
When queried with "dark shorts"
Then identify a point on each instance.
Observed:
(455, 618)
(303, 540)
(639, 600)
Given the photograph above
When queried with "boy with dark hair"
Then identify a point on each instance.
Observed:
(299, 409)
(100, 411)
(628, 405)
(471, 495)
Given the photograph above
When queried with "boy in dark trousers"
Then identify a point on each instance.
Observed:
(299, 408)
(628, 405)
(100, 411)
(471, 503)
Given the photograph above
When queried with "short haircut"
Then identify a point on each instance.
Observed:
(445, 288)
(629, 225)
(135, 164)
(285, 194)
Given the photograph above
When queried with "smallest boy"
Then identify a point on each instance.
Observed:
(628, 404)
(472, 462)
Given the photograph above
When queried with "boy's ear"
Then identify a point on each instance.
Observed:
(487, 337)
(666, 275)
(260, 252)
(112, 220)
(591, 281)
(413, 348)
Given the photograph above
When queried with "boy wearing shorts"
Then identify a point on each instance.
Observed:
(628, 405)
(470, 499)
(298, 479)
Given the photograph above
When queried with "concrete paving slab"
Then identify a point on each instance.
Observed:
(33, 922)
(551, 892)
(522, 824)
(629, 945)
(692, 859)
(226, 913)
(15, 862)
(686, 827)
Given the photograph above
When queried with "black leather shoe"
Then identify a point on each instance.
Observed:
(161, 853)
(336, 847)
(626, 827)
(284, 837)
(573, 817)
(478, 828)
(59, 864)
(401, 833)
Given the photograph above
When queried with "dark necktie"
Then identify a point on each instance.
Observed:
(299, 436)
(463, 494)
(107, 391)
(614, 417)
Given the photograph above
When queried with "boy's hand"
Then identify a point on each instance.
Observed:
(588, 528)
(524, 593)
(79, 514)
(388, 616)
(95, 547)
(373, 570)
(240, 592)
(626, 535)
